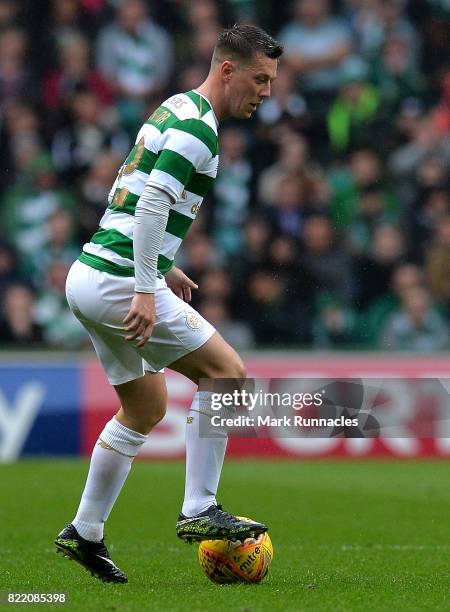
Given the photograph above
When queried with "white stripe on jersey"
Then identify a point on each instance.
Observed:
(97, 249)
(122, 222)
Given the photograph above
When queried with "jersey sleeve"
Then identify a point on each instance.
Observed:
(186, 148)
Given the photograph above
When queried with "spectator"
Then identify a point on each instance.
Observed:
(203, 41)
(256, 234)
(203, 14)
(237, 333)
(9, 13)
(324, 260)
(316, 44)
(60, 326)
(50, 23)
(385, 18)
(293, 159)
(416, 326)
(135, 56)
(271, 313)
(404, 277)
(91, 131)
(94, 191)
(430, 203)
(334, 324)
(396, 76)
(374, 271)
(9, 269)
(215, 284)
(73, 74)
(438, 263)
(441, 114)
(425, 141)
(231, 191)
(15, 78)
(27, 206)
(290, 208)
(191, 75)
(364, 174)
(373, 212)
(17, 326)
(59, 246)
(352, 116)
(23, 142)
(198, 255)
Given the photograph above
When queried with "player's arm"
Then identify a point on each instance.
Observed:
(152, 211)
(187, 149)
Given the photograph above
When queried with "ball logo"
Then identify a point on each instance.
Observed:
(250, 559)
(193, 320)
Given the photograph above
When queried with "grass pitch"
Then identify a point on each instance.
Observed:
(347, 536)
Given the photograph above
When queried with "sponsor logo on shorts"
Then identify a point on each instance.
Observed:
(193, 320)
(190, 420)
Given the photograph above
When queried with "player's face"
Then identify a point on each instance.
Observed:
(249, 85)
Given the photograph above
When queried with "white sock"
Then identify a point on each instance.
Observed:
(111, 462)
(204, 457)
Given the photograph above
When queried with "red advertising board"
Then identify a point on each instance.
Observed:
(99, 403)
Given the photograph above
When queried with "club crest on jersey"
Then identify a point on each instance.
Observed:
(193, 320)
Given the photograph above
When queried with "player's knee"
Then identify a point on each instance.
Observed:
(156, 415)
(231, 368)
(236, 368)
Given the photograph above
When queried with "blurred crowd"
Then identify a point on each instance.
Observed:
(329, 223)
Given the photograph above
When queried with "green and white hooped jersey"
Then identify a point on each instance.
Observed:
(176, 150)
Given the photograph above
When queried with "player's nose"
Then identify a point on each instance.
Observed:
(265, 93)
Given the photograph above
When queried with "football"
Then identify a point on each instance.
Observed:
(226, 562)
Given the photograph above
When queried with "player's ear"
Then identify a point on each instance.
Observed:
(226, 70)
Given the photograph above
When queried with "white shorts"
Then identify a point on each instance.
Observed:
(101, 301)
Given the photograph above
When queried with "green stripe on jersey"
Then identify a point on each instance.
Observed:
(163, 119)
(124, 201)
(175, 164)
(115, 241)
(178, 224)
(200, 130)
(199, 184)
(104, 265)
(200, 102)
(139, 158)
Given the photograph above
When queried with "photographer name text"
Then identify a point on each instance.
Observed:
(284, 421)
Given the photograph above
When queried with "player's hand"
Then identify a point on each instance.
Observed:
(141, 317)
(180, 284)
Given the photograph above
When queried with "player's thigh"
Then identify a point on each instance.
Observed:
(120, 361)
(214, 359)
(143, 401)
(179, 330)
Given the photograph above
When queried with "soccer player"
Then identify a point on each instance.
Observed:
(133, 300)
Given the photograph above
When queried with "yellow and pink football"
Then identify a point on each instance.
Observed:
(226, 562)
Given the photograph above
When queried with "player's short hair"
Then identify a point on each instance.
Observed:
(242, 42)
